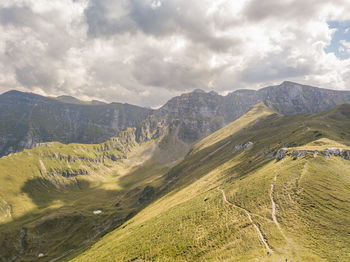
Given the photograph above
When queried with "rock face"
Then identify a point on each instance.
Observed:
(281, 154)
(292, 98)
(243, 146)
(27, 119)
(199, 114)
(327, 153)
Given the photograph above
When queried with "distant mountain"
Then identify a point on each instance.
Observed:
(27, 119)
(73, 100)
(199, 114)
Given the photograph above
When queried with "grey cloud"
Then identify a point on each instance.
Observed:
(179, 17)
(107, 17)
(21, 16)
(153, 69)
(36, 49)
(257, 10)
(32, 76)
(275, 66)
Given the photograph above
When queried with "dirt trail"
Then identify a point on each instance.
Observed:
(273, 204)
(42, 165)
(261, 237)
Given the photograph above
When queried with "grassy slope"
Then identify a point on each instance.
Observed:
(56, 211)
(191, 221)
(254, 115)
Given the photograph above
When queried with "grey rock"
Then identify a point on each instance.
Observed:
(327, 153)
(281, 154)
(243, 146)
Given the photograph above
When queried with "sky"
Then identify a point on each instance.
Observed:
(146, 51)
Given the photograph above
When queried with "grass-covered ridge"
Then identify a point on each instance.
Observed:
(300, 206)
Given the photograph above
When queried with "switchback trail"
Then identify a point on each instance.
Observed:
(260, 235)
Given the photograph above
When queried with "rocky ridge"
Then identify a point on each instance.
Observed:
(27, 119)
(327, 153)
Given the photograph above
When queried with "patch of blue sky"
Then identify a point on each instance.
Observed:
(340, 44)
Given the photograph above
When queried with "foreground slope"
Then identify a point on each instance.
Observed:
(231, 200)
(56, 198)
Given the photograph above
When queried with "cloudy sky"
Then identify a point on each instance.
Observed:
(146, 51)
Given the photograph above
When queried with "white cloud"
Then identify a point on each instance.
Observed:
(345, 43)
(344, 47)
(145, 51)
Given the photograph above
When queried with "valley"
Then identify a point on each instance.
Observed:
(262, 187)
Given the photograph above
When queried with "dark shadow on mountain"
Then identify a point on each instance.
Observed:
(72, 226)
(38, 187)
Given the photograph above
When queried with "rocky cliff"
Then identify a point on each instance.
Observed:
(199, 114)
(27, 119)
(327, 153)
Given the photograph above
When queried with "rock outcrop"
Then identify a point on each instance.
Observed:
(281, 154)
(243, 146)
(327, 153)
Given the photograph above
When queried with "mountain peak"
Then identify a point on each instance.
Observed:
(23, 97)
(12, 92)
(69, 99)
(198, 90)
(18, 93)
(289, 83)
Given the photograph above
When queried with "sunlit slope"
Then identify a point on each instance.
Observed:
(232, 201)
(48, 194)
(63, 166)
(258, 112)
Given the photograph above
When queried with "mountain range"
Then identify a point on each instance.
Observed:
(28, 119)
(253, 175)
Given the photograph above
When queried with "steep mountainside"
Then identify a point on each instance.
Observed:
(199, 114)
(265, 183)
(56, 198)
(236, 199)
(27, 119)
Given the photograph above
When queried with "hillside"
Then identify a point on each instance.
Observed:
(255, 186)
(27, 119)
(232, 200)
(56, 198)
